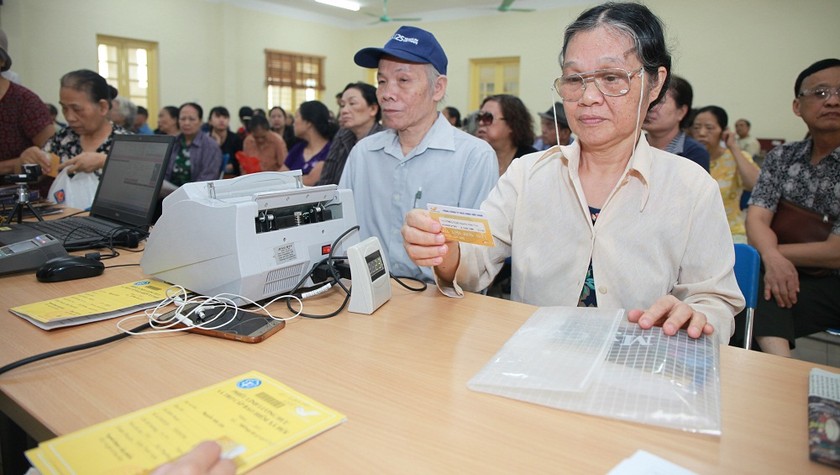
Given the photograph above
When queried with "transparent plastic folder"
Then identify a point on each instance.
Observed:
(608, 367)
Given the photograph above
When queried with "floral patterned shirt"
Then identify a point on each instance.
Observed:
(787, 173)
(67, 144)
(587, 294)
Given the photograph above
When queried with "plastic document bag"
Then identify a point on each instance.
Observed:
(558, 348)
(642, 376)
(75, 191)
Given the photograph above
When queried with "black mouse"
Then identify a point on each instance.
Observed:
(63, 268)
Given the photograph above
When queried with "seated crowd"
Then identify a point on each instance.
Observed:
(658, 216)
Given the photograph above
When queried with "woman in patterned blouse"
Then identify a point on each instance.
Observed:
(732, 168)
(83, 146)
(195, 156)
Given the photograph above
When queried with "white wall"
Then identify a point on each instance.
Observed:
(743, 56)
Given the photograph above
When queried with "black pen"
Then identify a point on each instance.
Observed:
(418, 195)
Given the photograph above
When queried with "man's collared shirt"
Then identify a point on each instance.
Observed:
(448, 167)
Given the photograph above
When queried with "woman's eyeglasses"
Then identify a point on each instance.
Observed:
(612, 82)
(486, 118)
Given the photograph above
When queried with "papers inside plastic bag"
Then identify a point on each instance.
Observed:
(558, 348)
(646, 376)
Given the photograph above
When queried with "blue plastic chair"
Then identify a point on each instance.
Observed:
(747, 273)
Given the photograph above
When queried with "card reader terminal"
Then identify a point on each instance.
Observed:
(29, 254)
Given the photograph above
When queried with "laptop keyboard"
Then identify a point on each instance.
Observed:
(72, 230)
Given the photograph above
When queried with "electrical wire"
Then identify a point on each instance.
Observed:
(190, 309)
(335, 275)
(399, 278)
(70, 349)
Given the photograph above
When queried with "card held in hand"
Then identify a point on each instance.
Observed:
(462, 224)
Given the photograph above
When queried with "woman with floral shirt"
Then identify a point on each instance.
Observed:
(83, 146)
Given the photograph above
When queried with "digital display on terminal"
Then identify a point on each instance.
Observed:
(376, 266)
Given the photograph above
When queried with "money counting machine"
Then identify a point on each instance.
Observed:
(254, 236)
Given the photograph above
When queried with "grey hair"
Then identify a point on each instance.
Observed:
(639, 24)
(432, 74)
(127, 109)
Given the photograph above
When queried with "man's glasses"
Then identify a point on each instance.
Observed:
(820, 93)
(612, 82)
(486, 118)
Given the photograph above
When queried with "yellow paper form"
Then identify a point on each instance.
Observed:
(94, 305)
(252, 416)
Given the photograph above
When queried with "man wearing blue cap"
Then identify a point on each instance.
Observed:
(422, 158)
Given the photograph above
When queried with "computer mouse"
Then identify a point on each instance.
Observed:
(63, 268)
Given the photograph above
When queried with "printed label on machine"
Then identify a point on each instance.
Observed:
(285, 253)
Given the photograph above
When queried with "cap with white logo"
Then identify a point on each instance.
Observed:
(409, 43)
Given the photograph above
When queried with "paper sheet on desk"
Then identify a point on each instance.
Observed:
(252, 415)
(95, 305)
(646, 377)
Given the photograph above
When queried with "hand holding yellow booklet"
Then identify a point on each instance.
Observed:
(252, 416)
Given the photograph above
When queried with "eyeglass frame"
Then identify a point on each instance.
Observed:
(832, 91)
(486, 114)
(591, 78)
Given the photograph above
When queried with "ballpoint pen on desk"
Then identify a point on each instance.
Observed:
(418, 195)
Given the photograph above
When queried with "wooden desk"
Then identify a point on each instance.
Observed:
(400, 376)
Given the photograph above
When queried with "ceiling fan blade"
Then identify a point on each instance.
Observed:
(505, 6)
(384, 18)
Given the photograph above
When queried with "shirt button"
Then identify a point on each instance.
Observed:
(602, 289)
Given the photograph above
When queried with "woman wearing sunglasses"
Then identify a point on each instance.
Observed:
(505, 123)
(607, 220)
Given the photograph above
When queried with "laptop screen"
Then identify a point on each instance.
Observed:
(132, 177)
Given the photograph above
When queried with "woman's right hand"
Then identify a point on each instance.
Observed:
(426, 245)
(423, 239)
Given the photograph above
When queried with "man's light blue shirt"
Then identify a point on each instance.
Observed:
(448, 167)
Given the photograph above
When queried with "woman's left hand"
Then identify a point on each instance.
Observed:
(84, 162)
(672, 314)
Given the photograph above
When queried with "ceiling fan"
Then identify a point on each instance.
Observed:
(384, 18)
(506, 6)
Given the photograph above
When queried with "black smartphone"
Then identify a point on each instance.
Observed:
(245, 326)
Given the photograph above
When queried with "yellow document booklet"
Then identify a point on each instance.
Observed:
(95, 305)
(252, 416)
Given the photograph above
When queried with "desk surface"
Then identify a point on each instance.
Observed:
(400, 377)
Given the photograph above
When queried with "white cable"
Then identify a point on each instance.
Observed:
(637, 131)
(554, 111)
(180, 297)
(318, 291)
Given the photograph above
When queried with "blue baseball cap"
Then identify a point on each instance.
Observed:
(409, 43)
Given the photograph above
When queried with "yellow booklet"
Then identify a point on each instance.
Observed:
(95, 305)
(252, 416)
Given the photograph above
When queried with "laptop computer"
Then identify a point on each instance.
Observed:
(125, 200)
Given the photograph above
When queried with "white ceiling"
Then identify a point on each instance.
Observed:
(371, 10)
